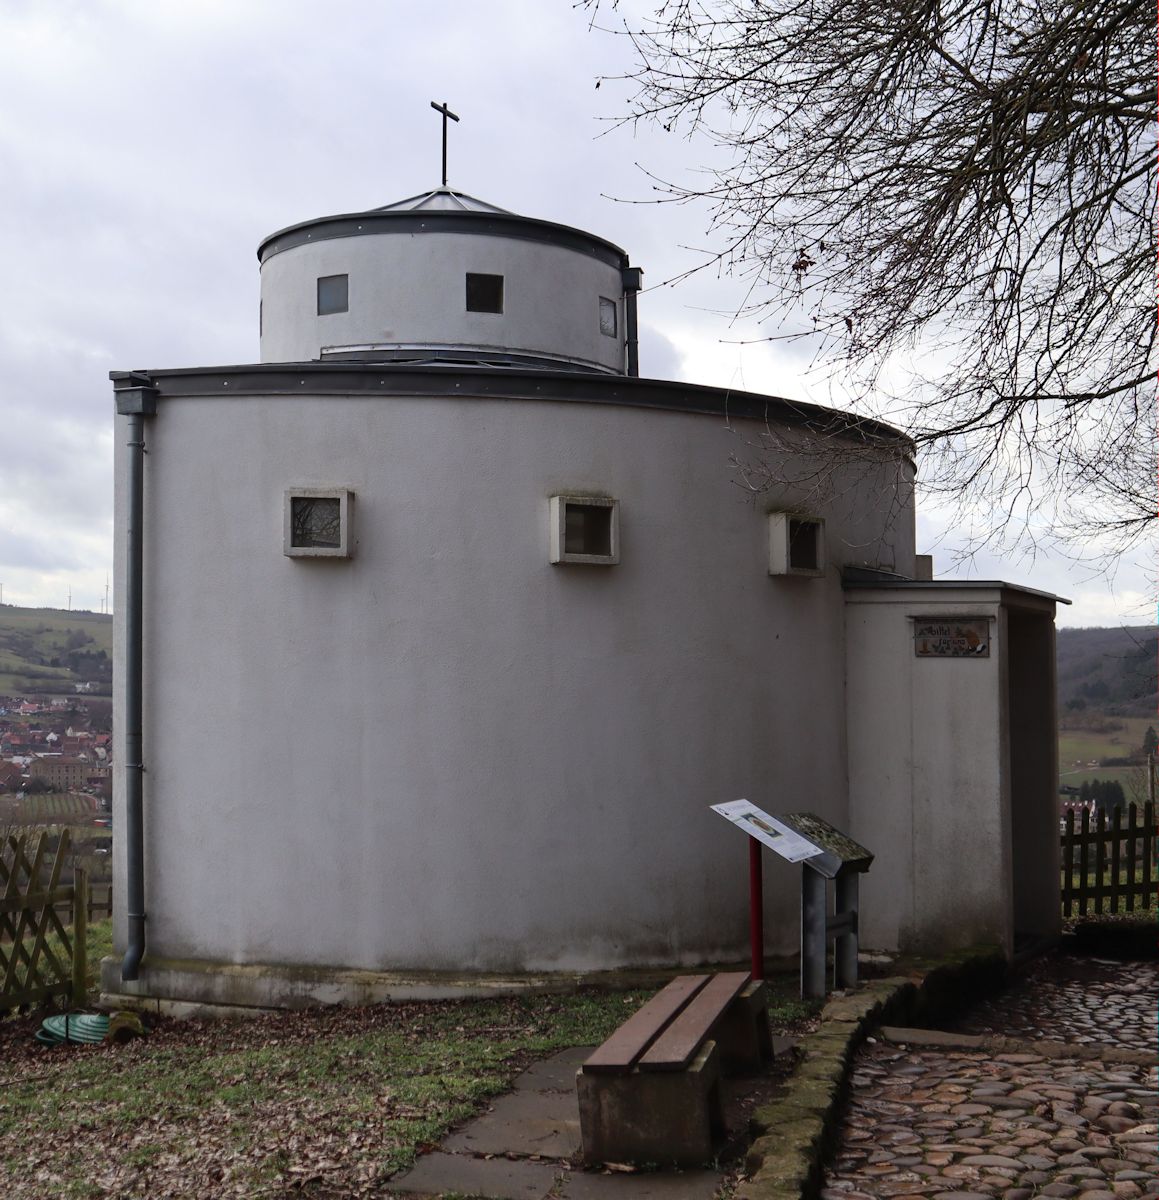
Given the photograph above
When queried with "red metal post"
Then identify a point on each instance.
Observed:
(756, 909)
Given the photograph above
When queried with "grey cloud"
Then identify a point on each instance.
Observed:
(659, 355)
(38, 553)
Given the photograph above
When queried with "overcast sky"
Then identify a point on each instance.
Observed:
(147, 147)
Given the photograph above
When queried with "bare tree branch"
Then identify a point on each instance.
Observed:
(973, 177)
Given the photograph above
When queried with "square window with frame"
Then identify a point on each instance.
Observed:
(316, 523)
(333, 294)
(796, 545)
(585, 529)
(484, 293)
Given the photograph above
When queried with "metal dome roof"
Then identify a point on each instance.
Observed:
(443, 200)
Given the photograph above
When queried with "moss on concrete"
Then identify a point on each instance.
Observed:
(808, 1098)
(784, 1174)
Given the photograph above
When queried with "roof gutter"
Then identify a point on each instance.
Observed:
(136, 398)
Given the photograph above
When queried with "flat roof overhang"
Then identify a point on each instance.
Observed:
(454, 381)
(1013, 594)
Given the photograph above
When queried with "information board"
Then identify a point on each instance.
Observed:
(767, 829)
(954, 637)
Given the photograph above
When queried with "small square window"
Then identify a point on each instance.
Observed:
(484, 293)
(317, 523)
(585, 529)
(804, 550)
(607, 316)
(333, 294)
(796, 545)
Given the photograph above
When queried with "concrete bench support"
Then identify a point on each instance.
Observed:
(743, 1036)
(653, 1116)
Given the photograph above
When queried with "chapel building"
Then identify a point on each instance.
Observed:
(443, 626)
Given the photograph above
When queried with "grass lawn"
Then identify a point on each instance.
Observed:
(1083, 745)
(52, 626)
(54, 808)
(324, 1103)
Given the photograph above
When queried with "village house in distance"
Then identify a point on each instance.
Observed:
(488, 624)
(46, 745)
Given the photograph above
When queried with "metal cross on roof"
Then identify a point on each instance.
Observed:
(442, 108)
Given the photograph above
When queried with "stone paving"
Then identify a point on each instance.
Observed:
(1076, 1000)
(966, 1123)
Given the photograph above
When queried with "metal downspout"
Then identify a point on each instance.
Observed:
(135, 399)
(633, 279)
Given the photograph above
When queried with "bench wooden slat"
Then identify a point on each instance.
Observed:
(676, 1047)
(624, 1047)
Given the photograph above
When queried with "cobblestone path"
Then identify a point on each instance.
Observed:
(1077, 1000)
(972, 1124)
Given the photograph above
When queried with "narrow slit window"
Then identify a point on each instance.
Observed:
(333, 294)
(484, 293)
(607, 317)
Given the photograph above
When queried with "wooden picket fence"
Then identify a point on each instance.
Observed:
(100, 902)
(1108, 864)
(41, 957)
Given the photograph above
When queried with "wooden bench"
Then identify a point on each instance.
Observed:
(651, 1092)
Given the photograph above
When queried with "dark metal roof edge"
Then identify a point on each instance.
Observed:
(851, 581)
(508, 383)
(499, 224)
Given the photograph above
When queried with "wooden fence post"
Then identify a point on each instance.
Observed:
(80, 921)
(1068, 865)
(1084, 860)
(1132, 852)
(1148, 829)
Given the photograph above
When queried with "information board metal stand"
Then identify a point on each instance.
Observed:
(824, 853)
(841, 859)
(756, 909)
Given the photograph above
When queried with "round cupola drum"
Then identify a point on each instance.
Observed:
(446, 277)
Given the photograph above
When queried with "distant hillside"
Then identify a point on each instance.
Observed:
(1112, 670)
(47, 651)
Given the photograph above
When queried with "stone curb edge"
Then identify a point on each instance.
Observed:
(794, 1134)
(1086, 1052)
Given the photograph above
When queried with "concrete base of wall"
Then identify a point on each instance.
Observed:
(198, 987)
(282, 986)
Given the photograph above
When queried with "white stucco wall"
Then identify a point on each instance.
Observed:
(928, 773)
(447, 753)
(409, 289)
